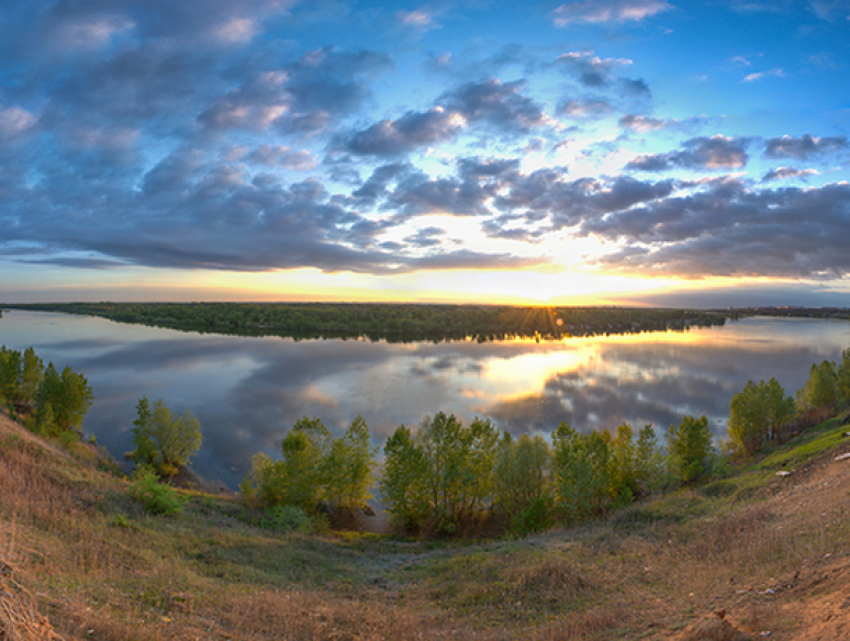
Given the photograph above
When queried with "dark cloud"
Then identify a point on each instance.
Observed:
(571, 202)
(299, 95)
(413, 130)
(376, 184)
(589, 69)
(491, 102)
(716, 152)
(724, 228)
(426, 237)
(804, 147)
(496, 103)
(281, 156)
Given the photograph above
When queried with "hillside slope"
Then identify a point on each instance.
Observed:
(771, 551)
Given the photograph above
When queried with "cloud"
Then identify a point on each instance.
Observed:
(780, 173)
(418, 19)
(588, 108)
(411, 131)
(301, 95)
(803, 147)
(478, 181)
(763, 74)
(725, 229)
(566, 203)
(489, 102)
(281, 156)
(716, 152)
(831, 10)
(496, 103)
(602, 11)
(642, 124)
(15, 121)
(591, 70)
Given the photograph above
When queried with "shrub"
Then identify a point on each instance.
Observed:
(287, 518)
(156, 497)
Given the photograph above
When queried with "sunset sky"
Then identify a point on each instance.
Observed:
(629, 151)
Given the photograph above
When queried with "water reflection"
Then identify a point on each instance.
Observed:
(247, 392)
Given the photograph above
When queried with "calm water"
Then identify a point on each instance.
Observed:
(247, 392)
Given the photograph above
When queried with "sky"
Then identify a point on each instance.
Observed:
(589, 152)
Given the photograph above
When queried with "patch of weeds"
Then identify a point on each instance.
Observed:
(674, 508)
(719, 488)
(119, 521)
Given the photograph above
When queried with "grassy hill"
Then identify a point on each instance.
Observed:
(771, 551)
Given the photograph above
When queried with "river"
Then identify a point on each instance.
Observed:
(247, 392)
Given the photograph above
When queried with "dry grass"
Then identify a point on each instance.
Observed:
(100, 568)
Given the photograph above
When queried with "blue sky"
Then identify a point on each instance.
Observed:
(591, 151)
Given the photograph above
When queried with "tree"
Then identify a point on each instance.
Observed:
(688, 446)
(164, 441)
(68, 394)
(404, 482)
(649, 461)
(623, 466)
(31, 375)
(757, 413)
(348, 468)
(522, 482)
(843, 381)
(821, 389)
(11, 370)
(581, 472)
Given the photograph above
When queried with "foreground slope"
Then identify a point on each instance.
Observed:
(771, 551)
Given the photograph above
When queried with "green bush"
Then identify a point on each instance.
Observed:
(287, 518)
(156, 497)
(537, 516)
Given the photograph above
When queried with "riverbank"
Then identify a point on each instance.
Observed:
(773, 551)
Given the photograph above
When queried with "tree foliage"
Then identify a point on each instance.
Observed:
(69, 396)
(163, 441)
(454, 464)
(821, 388)
(757, 413)
(522, 482)
(316, 467)
(688, 446)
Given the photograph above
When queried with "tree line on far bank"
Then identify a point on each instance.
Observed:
(392, 321)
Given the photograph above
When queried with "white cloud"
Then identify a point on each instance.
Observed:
(599, 11)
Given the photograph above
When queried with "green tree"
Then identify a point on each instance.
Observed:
(649, 461)
(300, 472)
(843, 381)
(11, 373)
(582, 472)
(623, 468)
(69, 395)
(404, 481)
(163, 441)
(31, 374)
(348, 468)
(688, 447)
(522, 477)
(821, 389)
(757, 413)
